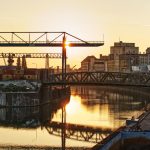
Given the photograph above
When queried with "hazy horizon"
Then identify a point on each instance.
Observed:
(127, 21)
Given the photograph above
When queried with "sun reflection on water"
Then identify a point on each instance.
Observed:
(74, 105)
(93, 115)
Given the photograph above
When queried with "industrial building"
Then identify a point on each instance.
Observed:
(91, 63)
(121, 48)
(123, 57)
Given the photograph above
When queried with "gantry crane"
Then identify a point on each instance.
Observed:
(32, 55)
(45, 39)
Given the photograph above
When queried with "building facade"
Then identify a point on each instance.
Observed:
(126, 61)
(148, 55)
(123, 57)
(91, 64)
(115, 64)
(12, 73)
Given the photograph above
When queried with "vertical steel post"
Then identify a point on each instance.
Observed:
(29, 37)
(63, 136)
(64, 59)
(12, 37)
(46, 38)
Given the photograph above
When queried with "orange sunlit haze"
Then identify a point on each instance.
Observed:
(115, 20)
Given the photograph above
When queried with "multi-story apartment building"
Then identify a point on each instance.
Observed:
(123, 48)
(99, 65)
(143, 59)
(148, 55)
(91, 63)
(118, 49)
(105, 59)
(88, 63)
(126, 61)
(123, 57)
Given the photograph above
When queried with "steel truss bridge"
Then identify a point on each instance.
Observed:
(78, 132)
(31, 55)
(101, 78)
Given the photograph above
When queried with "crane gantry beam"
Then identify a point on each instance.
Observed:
(31, 55)
(42, 39)
(48, 44)
(46, 39)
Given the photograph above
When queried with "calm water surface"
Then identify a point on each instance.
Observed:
(104, 107)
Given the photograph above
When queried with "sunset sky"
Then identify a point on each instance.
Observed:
(127, 20)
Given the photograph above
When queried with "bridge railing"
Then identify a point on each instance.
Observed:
(118, 78)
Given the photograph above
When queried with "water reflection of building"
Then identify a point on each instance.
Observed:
(31, 97)
(41, 106)
(19, 99)
(31, 116)
(113, 103)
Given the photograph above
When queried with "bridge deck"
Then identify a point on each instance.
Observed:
(100, 78)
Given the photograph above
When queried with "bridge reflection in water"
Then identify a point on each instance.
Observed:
(119, 101)
(34, 117)
(79, 132)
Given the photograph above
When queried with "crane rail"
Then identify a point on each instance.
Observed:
(49, 44)
(32, 55)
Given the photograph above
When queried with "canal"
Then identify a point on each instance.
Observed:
(92, 106)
